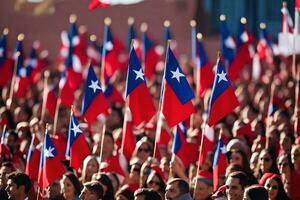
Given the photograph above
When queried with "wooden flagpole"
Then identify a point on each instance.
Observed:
(269, 116)
(296, 110)
(46, 76)
(56, 112)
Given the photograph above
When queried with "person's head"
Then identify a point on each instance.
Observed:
(11, 139)
(106, 183)
(267, 161)
(236, 184)
(286, 140)
(239, 157)
(134, 174)
(284, 164)
(155, 180)
(18, 185)
(176, 188)
(146, 194)
(90, 167)
(275, 188)
(204, 187)
(70, 185)
(54, 190)
(6, 168)
(256, 192)
(108, 144)
(124, 193)
(295, 153)
(143, 150)
(92, 191)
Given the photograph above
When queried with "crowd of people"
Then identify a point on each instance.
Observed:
(263, 150)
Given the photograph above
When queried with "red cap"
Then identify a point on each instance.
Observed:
(265, 177)
(158, 171)
(244, 130)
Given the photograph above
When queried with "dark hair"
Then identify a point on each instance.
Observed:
(273, 156)
(242, 176)
(12, 133)
(162, 185)
(245, 161)
(149, 194)
(281, 194)
(20, 178)
(104, 179)
(288, 158)
(8, 164)
(95, 187)
(125, 191)
(182, 185)
(74, 180)
(257, 192)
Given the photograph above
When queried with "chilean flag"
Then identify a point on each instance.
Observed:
(35, 65)
(22, 75)
(149, 56)
(208, 143)
(66, 92)
(51, 100)
(94, 102)
(244, 52)
(265, 45)
(107, 3)
(50, 168)
(204, 73)
(77, 146)
(220, 163)
(131, 35)
(181, 148)
(6, 64)
(128, 138)
(93, 51)
(112, 94)
(137, 94)
(169, 36)
(4, 150)
(223, 100)
(33, 160)
(111, 49)
(228, 45)
(177, 94)
(287, 21)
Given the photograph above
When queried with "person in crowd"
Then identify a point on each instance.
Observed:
(124, 193)
(155, 180)
(295, 176)
(275, 188)
(18, 186)
(108, 189)
(178, 189)
(143, 150)
(53, 191)
(146, 194)
(266, 163)
(70, 186)
(286, 169)
(204, 187)
(255, 192)
(236, 184)
(91, 191)
(90, 167)
(6, 168)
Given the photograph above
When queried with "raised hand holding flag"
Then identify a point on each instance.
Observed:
(137, 94)
(223, 99)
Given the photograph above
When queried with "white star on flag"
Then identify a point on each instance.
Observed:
(94, 85)
(139, 74)
(48, 152)
(223, 150)
(222, 76)
(76, 129)
(109, 46)
(176, 74)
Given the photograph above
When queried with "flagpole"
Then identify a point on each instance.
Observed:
(296, 110)
(107, 22)
(102, 142)
(193, 25)
(159, 114)
(56, 112)
(46, 76)
(17, 54)
(144, 28)
(269, 116)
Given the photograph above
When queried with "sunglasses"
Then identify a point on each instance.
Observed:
(153, 182)
(145, 150)
(265, 159)
(284, 164)
(272, 187)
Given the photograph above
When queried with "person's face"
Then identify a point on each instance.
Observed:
(92, 167)
(285, 143)
(153, 182)
(236, 158)
(283, 165)
(87, 194)
(4, 171)
(10, 141)
(272, 187)
(265, 162)
(13, 191)
(134, 174)
(172, 191)
(234, 190)
(143, 152)
(67, 188)
(108, 145)
(296, 155)
(54, 190)
(202, 191)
